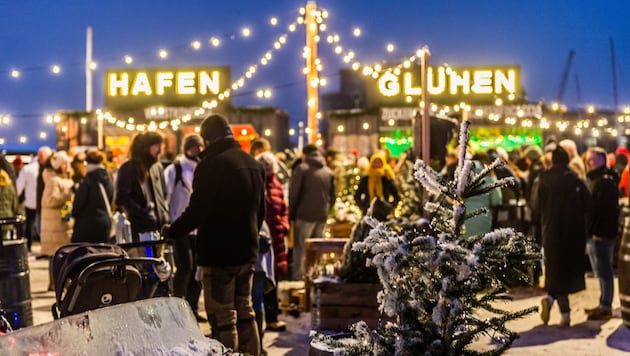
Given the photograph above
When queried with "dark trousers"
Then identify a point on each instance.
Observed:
(227, 293)
(29, 227)
(271, 305)
(184, 283)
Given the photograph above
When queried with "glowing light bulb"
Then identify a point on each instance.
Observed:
(390, 47)
(195, 45)
(15, 73)
(23, 139)
(273, 21)
(163, 53)
(267, 132)
(356, 32)
(128, 59)
(366, 126)
(93, 65)
(246, 32)
(55, 69)
(215, 41)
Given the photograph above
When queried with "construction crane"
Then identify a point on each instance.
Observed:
(565, 77)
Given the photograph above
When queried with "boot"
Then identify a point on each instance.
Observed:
(545, 307)
(566, 319)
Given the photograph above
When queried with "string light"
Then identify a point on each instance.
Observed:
(15, 73)
(55, 69)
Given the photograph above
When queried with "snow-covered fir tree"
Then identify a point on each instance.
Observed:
(438, 286)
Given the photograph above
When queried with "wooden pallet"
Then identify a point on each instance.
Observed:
(338, 305)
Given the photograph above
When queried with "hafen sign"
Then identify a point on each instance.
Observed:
(136, 89)
(449, 84)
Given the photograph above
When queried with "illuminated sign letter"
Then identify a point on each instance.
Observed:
(207, 83)
(460, 81)
(186, 83)
(409, 90)
(141, 84)
(388, 84)
(502, 81)
(441, 85)
(116, 84)
(163, 80)
(482, 82)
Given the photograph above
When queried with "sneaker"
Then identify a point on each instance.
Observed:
(276, 326)
(545, 308)
(600, 314)
(590, 311)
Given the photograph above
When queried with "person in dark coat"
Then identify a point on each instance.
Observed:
(561, 201)
(92, 214)
(227, 207)
(311, 196)
(602, 225)
(140, 185)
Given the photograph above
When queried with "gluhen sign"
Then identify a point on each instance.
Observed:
(133, 89)
(450, 84)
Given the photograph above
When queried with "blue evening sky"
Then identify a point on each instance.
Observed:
(537, 35)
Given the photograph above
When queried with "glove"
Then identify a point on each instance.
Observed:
(165, 231)
(163, 270)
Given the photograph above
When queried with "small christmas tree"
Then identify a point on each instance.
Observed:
(436, 282)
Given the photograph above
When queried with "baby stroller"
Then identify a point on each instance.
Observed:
(91, 275)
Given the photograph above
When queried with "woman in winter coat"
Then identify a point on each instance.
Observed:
(92, 217)
(378, 183)
(277, 219)
(560, 202)
(8, 200)
(55, 229)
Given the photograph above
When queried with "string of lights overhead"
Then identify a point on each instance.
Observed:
(594, 124)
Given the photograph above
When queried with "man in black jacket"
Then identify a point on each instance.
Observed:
(227, 206)
(602, 221)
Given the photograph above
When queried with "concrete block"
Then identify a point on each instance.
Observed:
(156, 326)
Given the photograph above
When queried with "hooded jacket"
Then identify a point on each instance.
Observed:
(227, 205)
(92, 220)
(603, 216)
(311, 190)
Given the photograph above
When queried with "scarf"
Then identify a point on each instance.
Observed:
(375, 176)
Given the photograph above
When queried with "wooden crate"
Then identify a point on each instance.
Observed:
(340, 229)
(338, 305)
(314, 248)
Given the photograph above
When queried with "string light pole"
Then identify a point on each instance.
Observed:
(312, 80)
(422, 128)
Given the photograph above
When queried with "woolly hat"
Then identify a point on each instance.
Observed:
(533, 152)
(192, 141)
(559, 156)
(94, 157)
(58, 159)
(308, 149)
(215, 127)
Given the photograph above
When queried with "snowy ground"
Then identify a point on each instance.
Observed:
(582, 338)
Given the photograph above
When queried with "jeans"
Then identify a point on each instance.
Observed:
(184, 283)
(301, 231)
(258, 291)
(29, 227)
(227, 293)
(600, 252)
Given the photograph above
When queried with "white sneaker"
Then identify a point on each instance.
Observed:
(545, 307)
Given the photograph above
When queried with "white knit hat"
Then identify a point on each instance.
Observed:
(58, 159)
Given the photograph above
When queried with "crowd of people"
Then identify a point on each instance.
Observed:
(238, 220)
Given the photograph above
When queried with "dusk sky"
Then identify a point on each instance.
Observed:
(537, 35)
